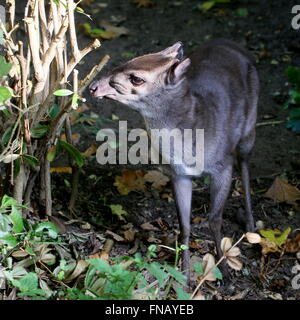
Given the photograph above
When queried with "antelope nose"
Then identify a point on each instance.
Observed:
(93, 87)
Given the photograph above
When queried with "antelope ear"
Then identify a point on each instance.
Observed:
(175, 51)
(180, 70)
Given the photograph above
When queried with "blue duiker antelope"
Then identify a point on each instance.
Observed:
(215, 89)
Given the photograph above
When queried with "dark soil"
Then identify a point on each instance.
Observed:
(267, 26)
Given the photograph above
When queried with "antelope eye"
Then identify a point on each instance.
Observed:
(136, 81)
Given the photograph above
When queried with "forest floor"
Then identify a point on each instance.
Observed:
(266, 31)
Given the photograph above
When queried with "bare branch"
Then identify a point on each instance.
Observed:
(35, 50)
(71, 65)
(96, 69)
(11, 13)
(50, 53)
(72, 29)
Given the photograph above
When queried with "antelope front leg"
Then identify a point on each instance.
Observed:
(182, 186)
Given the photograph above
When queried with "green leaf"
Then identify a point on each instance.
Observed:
(294, 125)
(5, 224)
(50, 228)
(293, 74)
(6, 135)
(54, 111)
(181, 294)
(17, 166)
(177, 275)
(184, 247)
(5, 93)
(28, 284)
(51, 154)
(5, 111)
(100, 265)
(242, 12)
(155, 269)
(63, 92)
(276, 236)
(8, 239)
(96, 32)
(128, 54)
(295, 114)
(39, 131)
(4, 67)
(283, 237)
(208, 5)
(8, 201)
(117, 209)
(16, 219)
(33, 161)
(56, 2)
(198, 267)
(30, 251)
(217, 273)
(74, 153)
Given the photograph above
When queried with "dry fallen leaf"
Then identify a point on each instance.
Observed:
(148, 226)
(115, 236)
(197, 219)
(162, 223)
(167, 196)
(234, 263)
(199, 296)
(226, 244)
(157, 179)
(61, 169)
(130, 181)
(143, 3)
(112, 31)
(129, 235)
(81, 266)
(86, 226)
(231, 253)
(208, 266)
(20, 254)
(253, 237)
(281, 191)
(293, 245)
(75, 137)
(268, 246)
(153, 240)
(92, 149)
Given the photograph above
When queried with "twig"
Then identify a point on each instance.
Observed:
(75, 169)
(71, 65)
(222, 258)
(269, 123)
(92, 74)
(48, 194)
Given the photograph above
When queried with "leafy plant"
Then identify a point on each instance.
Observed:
(36, 104)
(31, 244)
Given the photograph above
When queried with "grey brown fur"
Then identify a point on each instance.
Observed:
(215, 89)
